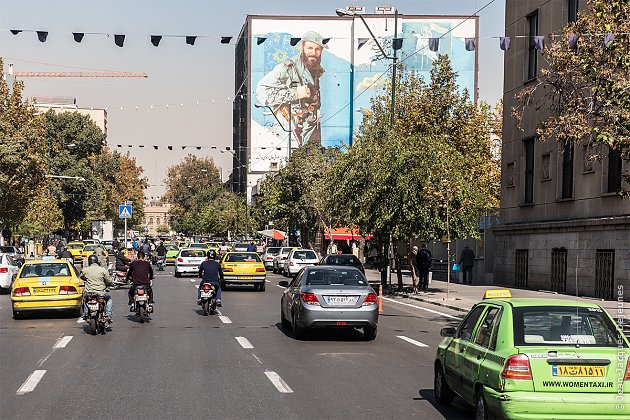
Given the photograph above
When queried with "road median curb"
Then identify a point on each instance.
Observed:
(431, 301)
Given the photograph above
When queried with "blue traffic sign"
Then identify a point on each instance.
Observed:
(125, 212)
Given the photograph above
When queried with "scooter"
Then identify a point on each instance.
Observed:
(119, 278)
(208, 299)
(160, 263)
(141, 305)
(95, 313)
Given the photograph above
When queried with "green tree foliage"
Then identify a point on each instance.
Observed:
(43, 215)
(22, 167)
(586, 91)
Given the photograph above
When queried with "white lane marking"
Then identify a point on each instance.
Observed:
(412, 341)
(420, 307)
(63, 342)
(277, 285)
(196, 286)
(225, 319)
(31, 382)
(257, 358)
(244, 342)
(278, 382)
(192, 280)
(268, 281)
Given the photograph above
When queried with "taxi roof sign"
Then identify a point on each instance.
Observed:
(497, 293)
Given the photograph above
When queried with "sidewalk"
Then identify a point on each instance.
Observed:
(463, 297)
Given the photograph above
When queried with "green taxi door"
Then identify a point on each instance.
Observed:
(475, 352)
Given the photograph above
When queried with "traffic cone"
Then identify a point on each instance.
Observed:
(380, 299)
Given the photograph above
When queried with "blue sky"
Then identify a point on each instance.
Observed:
(179, 73)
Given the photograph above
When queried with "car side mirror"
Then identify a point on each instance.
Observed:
(448, 332)
(284, 283)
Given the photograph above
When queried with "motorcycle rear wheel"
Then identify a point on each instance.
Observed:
(141, 314)
(206, 307)
(93, 326)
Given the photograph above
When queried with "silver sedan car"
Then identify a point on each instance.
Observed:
(329, 296)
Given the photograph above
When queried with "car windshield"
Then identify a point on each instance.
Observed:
(75, 246)
(45, 270)
(563, 326)
(193, 253)
(304, 255)
(89, 248)
(171, 248)
(197, 246)
(242, 257)
(342, 260)
(335, 277)
(7, 249)
(273, 251)
(241, 245)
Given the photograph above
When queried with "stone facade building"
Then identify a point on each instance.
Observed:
(564, 226)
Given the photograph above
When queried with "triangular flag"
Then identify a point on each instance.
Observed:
(505, 42)
(42, 35)
(15, 31)
(119, 145)
(226, 39)
(198, 147)
(362, 42)
(190, 40)
(260, 40)
(170, 147)
(183, 147)
(434, 44)
(397, 44)
(539, 42)
(294, 41)
(155, 147)
(573, 41)
(325, 41)
(471, 44)
(119, 40)
(78, 36)
(155, 40)
(608, 39)
(141, 146)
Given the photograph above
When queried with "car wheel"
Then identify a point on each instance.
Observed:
(443, 393)
(481, 409)
(262, 287)
(16, 314)
(177, 274)
(283, 321)
(369, 333)
(257, 287)
(297, 332)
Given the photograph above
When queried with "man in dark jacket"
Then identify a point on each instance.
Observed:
(141, 273)
(210, 272)
(467, 261)
(423, 262)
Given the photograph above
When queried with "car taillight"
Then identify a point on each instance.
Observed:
(517, 367)
(228, 269)
(370, 299)
(269, 258)
(21, 291)
(291, 263)
(180, 260)
(260, 270)
(4, 270)
(67, 290)
(310, 299)
(206, 287)
(627, 378)
(140, 292)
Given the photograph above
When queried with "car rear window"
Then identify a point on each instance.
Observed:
(193, 253)
(334, 277)
(45, 270)
(171, 248)
(7, 249)
(75, 246)
(342, 260)
(90, 247)
(564, 326)
(305, 255)
(242, 257)
(273, 251)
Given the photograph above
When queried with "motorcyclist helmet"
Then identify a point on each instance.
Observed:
(212, 255)
(93, 259)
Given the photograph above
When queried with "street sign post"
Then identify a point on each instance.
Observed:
(125, 211)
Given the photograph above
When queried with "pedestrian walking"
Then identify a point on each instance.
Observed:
(423, 261)
(466, 262)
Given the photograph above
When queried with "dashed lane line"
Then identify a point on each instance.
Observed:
(278, 382)
(412, 341)
(244, 342)
(31, 382)
(63, 342)
(268, 281)
(421, 308)
(277, 285)
(223, 318)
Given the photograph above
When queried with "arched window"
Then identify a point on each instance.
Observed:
(150, 220)
(158, 221)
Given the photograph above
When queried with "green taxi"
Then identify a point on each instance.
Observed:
(535, 359)
(171, 253)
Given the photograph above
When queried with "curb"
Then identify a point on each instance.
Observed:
(433, 302)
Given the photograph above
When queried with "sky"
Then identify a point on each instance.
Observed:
(180, 75)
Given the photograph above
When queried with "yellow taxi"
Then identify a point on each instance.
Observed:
(181, 244)
(76, 248)
(89, 250)
(199, 245)
(47, 284)
(214, 246)
(243, 268)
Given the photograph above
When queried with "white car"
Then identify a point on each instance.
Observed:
(269, 255)
(278, 260)
(298, 259)
(188, 261)
(8, 272)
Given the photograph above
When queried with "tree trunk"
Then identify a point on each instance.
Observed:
(398, 268)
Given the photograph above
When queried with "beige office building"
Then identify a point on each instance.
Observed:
(66, 104)
(155, 214)
(564, 226)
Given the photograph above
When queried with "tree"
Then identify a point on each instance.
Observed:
(163, 229)
(22, 167)
(585, 90)
(43, 215)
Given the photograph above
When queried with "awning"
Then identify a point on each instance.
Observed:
(273, 233)
(344, 234)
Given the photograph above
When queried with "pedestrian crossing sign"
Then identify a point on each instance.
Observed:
(125, 212)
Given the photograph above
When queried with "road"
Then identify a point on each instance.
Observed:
(241, 364)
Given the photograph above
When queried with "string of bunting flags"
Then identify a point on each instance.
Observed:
(397, 42)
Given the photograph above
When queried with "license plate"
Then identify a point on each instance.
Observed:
(578, 371)
(341, 300)
(141, 297)
(93, 307)
(206, 294)
(245, 277)
(41, 290)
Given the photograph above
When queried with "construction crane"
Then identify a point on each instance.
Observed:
(80, 74)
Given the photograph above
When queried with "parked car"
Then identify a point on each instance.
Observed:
(14, 252)
(188, 261)
(329, 297)
(298, 259)
(269, 255)
(278, 260)
(342, 259)
(8, 272)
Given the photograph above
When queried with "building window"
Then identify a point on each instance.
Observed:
(532, 58)
(150, 220)
(567, 170)
(510, 174)
(604, 273)
(528, 147)
(274, 166)
(573, 10)
(614, 170)
(559, 270)
(157, 222)
(546, 161)
(521, 268)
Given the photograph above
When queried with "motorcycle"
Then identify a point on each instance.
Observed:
(208, 299)
(160, 263)
(141, 305)
(95, 315)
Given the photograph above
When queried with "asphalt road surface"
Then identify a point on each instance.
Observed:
(239, 364)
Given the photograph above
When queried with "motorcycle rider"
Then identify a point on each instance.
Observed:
(161, 251)
(122, 262)
(146, 248)
(210, 272)
(65, 254)
(141, 273)
(97, 280)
